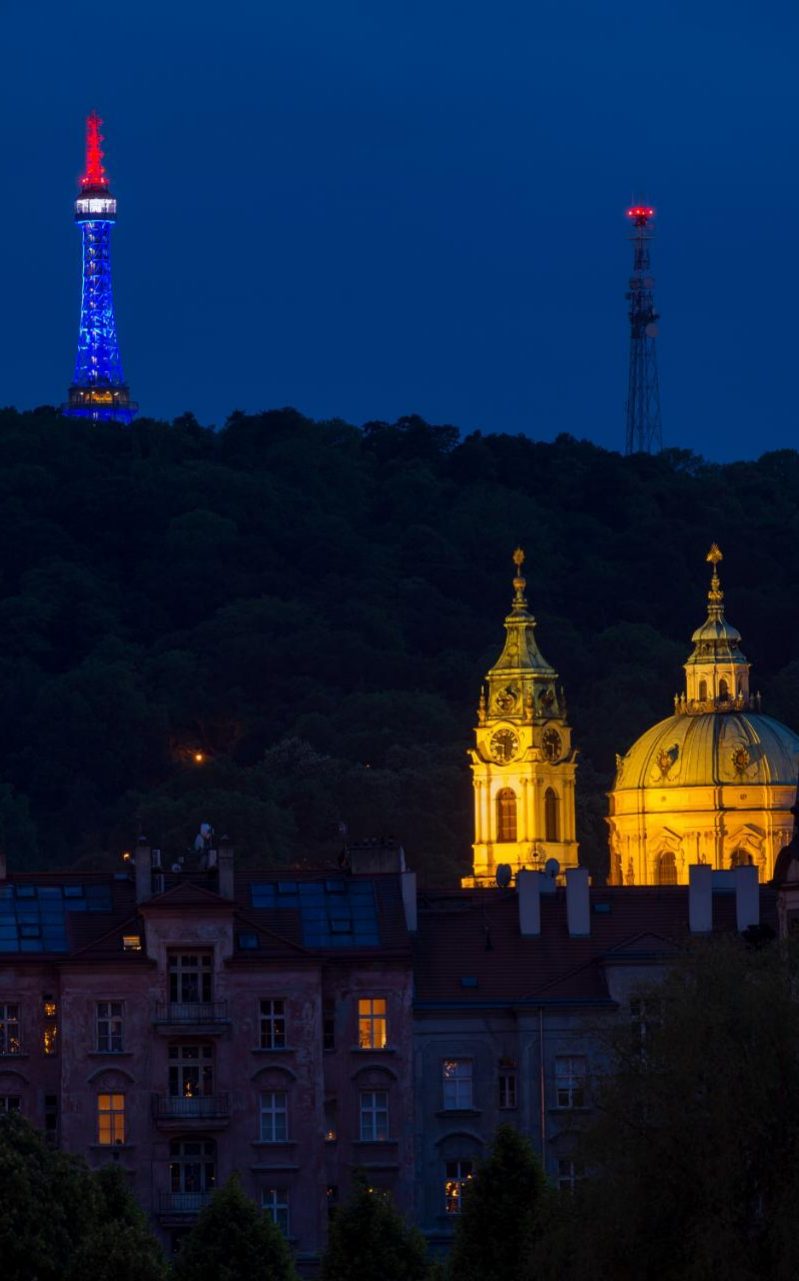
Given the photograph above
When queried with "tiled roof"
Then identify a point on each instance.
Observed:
(470, 950)
(86, 914)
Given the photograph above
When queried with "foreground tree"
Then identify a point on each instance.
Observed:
(233, 1240)
(48, 1205)
(119, 1246)
(695, 1150)
(370, 1241)
(496, 1233)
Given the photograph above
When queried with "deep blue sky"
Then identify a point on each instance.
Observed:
(366, 208)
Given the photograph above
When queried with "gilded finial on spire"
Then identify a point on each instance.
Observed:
(715, 596)
(519, 583)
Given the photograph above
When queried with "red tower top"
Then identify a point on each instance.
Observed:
(94, 176)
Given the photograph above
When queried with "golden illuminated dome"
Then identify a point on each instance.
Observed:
(715, 782)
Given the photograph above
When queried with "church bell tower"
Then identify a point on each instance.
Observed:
(523, 762)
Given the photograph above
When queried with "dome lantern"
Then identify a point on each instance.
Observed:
(716, 672)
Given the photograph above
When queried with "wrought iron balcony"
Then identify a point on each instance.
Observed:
(191, 1013)
(183, 1202)
(199, 1107)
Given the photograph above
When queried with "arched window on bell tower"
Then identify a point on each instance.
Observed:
(551, 816)
(702, 691)
(506, 814)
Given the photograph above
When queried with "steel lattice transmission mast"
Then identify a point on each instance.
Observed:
(643, 392)
(98, 390)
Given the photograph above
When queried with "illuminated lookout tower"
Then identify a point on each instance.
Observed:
(643, 393)
(98, 390)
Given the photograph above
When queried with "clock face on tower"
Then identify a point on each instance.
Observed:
(551, 742)
(503, 746)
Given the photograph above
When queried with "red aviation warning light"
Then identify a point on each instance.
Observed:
(95, 176)
(640, 214)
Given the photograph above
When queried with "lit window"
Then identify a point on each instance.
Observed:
(374, 1115)
(457, 1078)
(273, 1025)
(274, 1116)
(275, 1201)
(191, 1071)
(109, 1027)
(9, 1030)
(372, 1024)
(131, 942)
(457, 1175)
(507, 1088)
(110, 1118)
(10, 1103)
(331, 1129)
(506, 814)
(570, 1074)
(50, 1030)
(570, 1173)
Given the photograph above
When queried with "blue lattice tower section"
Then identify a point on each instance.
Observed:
(98, 390)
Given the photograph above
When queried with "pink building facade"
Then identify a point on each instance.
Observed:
(189, 1024)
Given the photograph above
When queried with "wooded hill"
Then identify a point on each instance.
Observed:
(311, 606)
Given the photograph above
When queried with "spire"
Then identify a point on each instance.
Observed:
(94, 176)
(519, 583)
(715, 596)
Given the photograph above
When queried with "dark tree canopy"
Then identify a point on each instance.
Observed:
(233, 1240)
(370, 1240)
(693, 1150)
(499, 1226)
(312, 607)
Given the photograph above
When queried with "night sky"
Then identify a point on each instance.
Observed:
(366, 208)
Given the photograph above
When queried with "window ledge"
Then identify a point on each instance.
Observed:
(274, 1143)
(109, 1054)
(111, 1147)
(375, 1143)
(365, 1049)
(566, 1111)
(14, 1054)
(274, 1049)
(460, 1112)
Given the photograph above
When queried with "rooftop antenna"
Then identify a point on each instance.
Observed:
(643, 392)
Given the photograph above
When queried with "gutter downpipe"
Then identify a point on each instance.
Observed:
(542, 1085)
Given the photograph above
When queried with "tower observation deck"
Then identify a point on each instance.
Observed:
(98, 389)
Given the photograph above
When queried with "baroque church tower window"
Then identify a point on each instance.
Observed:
(523, 763)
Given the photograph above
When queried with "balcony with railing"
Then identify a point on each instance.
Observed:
(205, 1111)
(209, 1017)
(182, 1203)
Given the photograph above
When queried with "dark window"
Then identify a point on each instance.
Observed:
(570, 1173)
(570, 1075)
(724, 691)
(192, 1165)
(9, 1030)
(702, 691)
(190, 976)
(666, 869)
(740, 858)
(328, 1024)
(507, 1088)
(273, 1024)
(109, 1027)
(51, 1119)
(10, 1103)
(506, 814)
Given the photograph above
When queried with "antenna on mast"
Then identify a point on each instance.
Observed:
(643, 392)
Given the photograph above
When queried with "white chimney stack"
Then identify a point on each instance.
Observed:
(578, 905)
(700, 898)
(528, 888)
